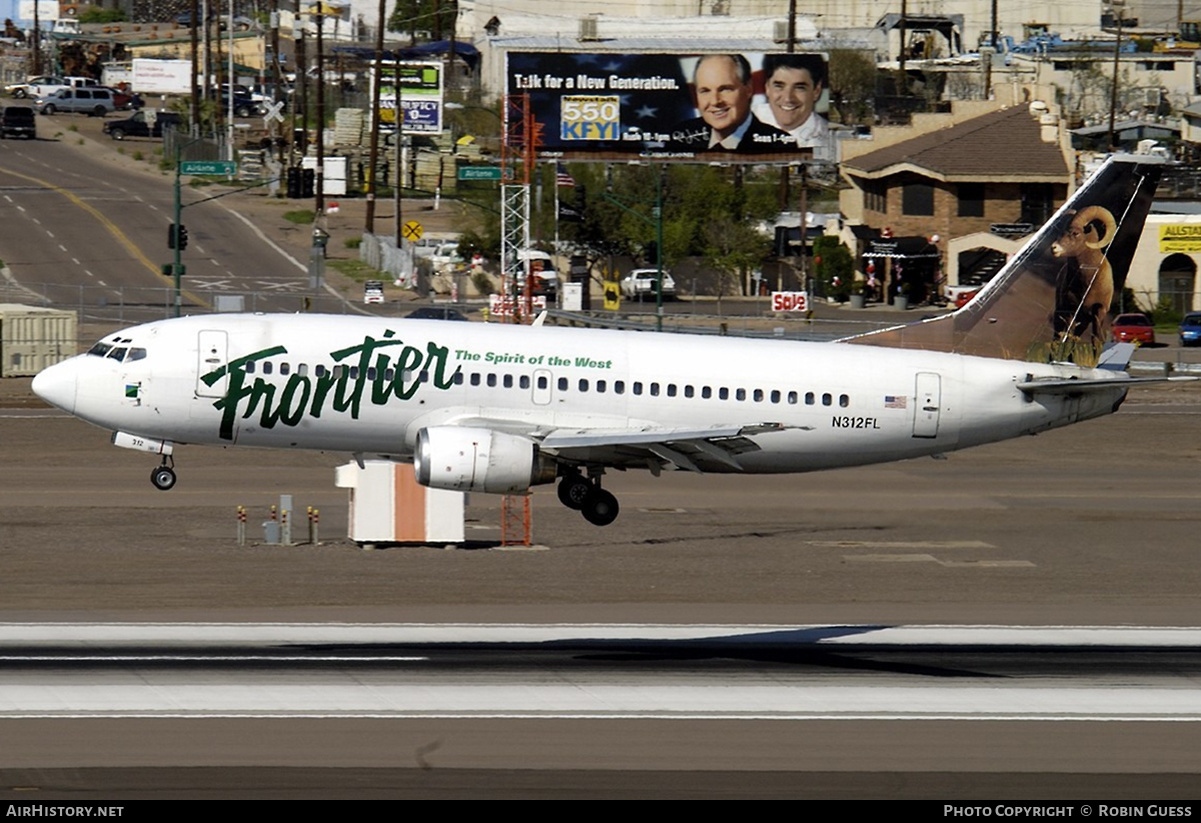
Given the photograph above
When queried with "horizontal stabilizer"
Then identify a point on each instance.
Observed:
(1116, 356)
(1101, 384)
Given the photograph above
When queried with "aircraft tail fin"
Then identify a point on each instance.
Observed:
(1051, 301)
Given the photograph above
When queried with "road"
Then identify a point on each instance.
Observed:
(80, 232)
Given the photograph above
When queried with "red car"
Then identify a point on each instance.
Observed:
(1133, 328)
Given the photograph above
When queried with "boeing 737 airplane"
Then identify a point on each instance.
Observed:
(499, 408)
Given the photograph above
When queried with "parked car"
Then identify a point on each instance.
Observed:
(965, 297)
(373, 291)
(124, 100)
(436, 313)
(17, 121)
(1133, 328)
(542, 268)
(94, 101)
(21, 90)
(1190, 330)
(142, 125)
(446, 255)
(47, 84)
(243, 104)
(642, 282)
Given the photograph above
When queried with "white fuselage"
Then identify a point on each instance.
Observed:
(367, 385)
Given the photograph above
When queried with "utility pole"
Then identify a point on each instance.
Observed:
(320, 181)
(373, 155)
(1113, 91)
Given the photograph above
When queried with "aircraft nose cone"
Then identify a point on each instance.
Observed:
(56, 385)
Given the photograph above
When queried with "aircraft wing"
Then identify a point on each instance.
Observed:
(692, 449)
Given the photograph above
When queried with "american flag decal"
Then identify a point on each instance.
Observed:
(131, 389)
(895, 401)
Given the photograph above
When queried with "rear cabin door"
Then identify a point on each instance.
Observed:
(213, 353)
(928, 395)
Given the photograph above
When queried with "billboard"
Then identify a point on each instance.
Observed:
(420, 86)
(153, 76)
(738, 107)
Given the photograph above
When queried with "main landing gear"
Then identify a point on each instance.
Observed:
(586, 496)
(163, 477)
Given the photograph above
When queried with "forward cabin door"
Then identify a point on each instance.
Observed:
(928, 394)
(213, 353)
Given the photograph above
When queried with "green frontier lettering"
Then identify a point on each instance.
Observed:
(304, 395)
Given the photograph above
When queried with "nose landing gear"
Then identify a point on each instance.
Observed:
(586, 496)
(163, 477)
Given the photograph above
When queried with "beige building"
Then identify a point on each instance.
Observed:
(971, 185)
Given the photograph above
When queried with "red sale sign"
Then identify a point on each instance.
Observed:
(789, 301)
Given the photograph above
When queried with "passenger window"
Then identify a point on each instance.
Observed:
(542, 382)
(758, 395)
(775, 396)
(491, 380)
(706, 393)
(508, 381)
(475, 378)
(792, 398)
(562, 384)
(266, 367)
(425, 377)
(843, 400)
(583, 385)
(723, 393)
(285, 368)
(827, 399)
(319, 371)
(637, 387)
(809, 398)
(654, 389)
(303, 370)
(619, 386)
(249, 368)
(524, 381)
(740, 394)
(688, 391)
(671, 389)
(601, 385)
(458, 378)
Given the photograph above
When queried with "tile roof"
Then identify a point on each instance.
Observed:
(1007, 142)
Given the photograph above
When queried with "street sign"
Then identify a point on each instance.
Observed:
(479, 173)
(273, 113)
(225, 168)
(412, 231)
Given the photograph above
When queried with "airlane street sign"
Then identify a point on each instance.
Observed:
(214, 167)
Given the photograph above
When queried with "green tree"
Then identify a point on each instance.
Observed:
(95, 14)
(434, 17)
(852, 84)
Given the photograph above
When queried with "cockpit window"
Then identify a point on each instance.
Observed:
(135, 354)
(118, 354)
(100, 349)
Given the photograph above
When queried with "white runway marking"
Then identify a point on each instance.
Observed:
(98, 676)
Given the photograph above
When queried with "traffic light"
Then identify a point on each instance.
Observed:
(294, 182)
(307, 178)
(177, 236)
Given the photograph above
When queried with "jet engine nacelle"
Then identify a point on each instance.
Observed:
(479, 460)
